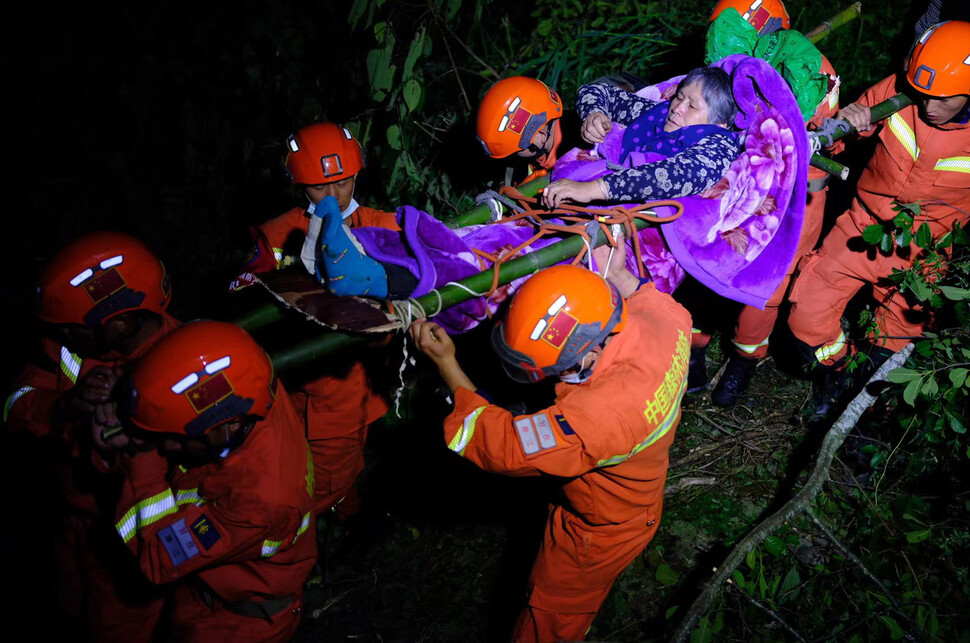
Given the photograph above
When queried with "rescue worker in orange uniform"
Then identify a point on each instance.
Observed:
(754, 325)
(102, 303)
(225, 503)
(520, 115)
(324, 159)
(922, 155)
(622, 367)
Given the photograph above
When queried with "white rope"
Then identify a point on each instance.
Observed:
(463, 287)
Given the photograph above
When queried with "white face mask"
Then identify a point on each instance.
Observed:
(580, 376)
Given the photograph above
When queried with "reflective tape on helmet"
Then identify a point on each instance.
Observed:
(12, 399)
(270, 547)
(748, 348)
(904, 133)
(70, 364)
(465, 433)
(145, 513)
(954, 164)
(826, 352)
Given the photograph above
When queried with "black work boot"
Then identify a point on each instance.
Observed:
(830, 393)
(734, 381)
(697, 370)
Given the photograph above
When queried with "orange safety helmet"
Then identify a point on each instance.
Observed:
(940, 63)
(512, 112)
(555, 318)
(199, 376)
(766, 16)
(322, 153)
(101, 275)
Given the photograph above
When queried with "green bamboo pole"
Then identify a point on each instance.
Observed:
(481, 213)
(828, 165)
(833, 23)
(260, 317)
(878, 112)
(451, 295)
(314, 348)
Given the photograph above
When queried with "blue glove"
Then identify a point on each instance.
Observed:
(346, 270)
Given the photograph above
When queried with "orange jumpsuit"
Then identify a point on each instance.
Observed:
(238, 532)
(913, 161)
(335, 411)
(97, 580)
(609, 437)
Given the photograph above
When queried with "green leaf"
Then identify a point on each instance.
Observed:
(666, 575)
(415, 534)
(919, 288)
(924, 237)
(956, 423)
(918, 536)
(902, 375)
(718, 623)
(903, 220)
(886, 243)
(739, 579)
(877, 459)
(671, 611)
(775, 546)
(958, 376)
(930, 388)
(453, 7)
(412, 94)
(414, 52)
(911, 391)
(394, 137)
(955, 294)
(873, 234)
(750, 559)
(357, 10)
(792, 580)
(904, 238)
(702, 633)
(895, 631)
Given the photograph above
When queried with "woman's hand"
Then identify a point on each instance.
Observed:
(564, 190)
(595, 128)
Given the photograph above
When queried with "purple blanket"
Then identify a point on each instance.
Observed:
(739, 237)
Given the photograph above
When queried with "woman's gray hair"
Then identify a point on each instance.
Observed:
(717, 92)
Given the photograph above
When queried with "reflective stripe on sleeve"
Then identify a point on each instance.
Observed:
(303, 526)
(954, 164)
(826, 352)
(189, 497)
(145, 513)
(16, 395)
(278, 255)
(465, 433)
(903, 132)
(748, 348)
(270, 547)
(70, 364)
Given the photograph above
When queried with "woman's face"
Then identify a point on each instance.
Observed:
(687, 107)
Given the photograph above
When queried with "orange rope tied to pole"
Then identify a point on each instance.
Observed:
(604, 217)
